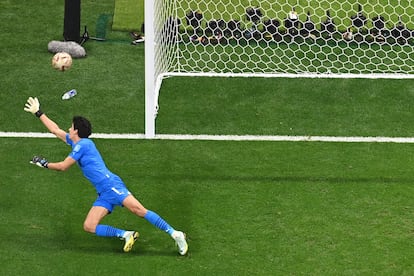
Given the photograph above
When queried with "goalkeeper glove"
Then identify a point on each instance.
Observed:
(32, 105)
(39, 161)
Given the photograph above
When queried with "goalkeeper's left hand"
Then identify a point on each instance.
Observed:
(39, 161)
(33, 106)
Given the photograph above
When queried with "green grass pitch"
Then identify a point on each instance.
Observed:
(249, 208)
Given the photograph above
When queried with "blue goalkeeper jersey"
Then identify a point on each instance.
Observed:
(91, 163)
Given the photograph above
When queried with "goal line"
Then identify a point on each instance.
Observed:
(276, 138)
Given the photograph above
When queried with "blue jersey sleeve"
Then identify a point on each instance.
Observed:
(76, 152)
(68, 140)
(76, 149)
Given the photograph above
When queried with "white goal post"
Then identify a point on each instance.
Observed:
(267, 38)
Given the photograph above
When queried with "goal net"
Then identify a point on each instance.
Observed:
(267, 38)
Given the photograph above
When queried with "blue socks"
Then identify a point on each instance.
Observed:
(152, 217)
(108, 231)
(158, 222)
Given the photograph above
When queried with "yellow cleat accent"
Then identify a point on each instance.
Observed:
(130, 240)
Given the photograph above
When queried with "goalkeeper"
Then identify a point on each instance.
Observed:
(110, 188)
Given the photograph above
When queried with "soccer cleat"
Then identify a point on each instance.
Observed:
(130, 238)
(137, 41)
(179, 238)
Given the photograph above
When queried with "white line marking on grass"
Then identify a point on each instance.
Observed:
(278, 138)
(26, 135)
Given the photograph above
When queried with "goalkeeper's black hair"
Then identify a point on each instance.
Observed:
(83, 126)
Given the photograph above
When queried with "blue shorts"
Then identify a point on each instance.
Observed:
(112, 197)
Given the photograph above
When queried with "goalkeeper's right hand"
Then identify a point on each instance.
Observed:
(39, 161)
(32, 105)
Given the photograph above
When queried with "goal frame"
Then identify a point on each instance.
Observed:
(150, 79)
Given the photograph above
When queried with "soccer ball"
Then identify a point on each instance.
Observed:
(62, 61)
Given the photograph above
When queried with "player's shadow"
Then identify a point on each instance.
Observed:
(112, 246)
(86, 244)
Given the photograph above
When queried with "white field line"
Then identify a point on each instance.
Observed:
(278, 138)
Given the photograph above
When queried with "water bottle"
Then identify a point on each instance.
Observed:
(69, 94)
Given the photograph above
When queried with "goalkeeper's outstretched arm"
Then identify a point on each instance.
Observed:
(53, 127)
(57, 166)
(32, 105)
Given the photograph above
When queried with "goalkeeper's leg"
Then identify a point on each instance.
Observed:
(91, 224)
(137, 208)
